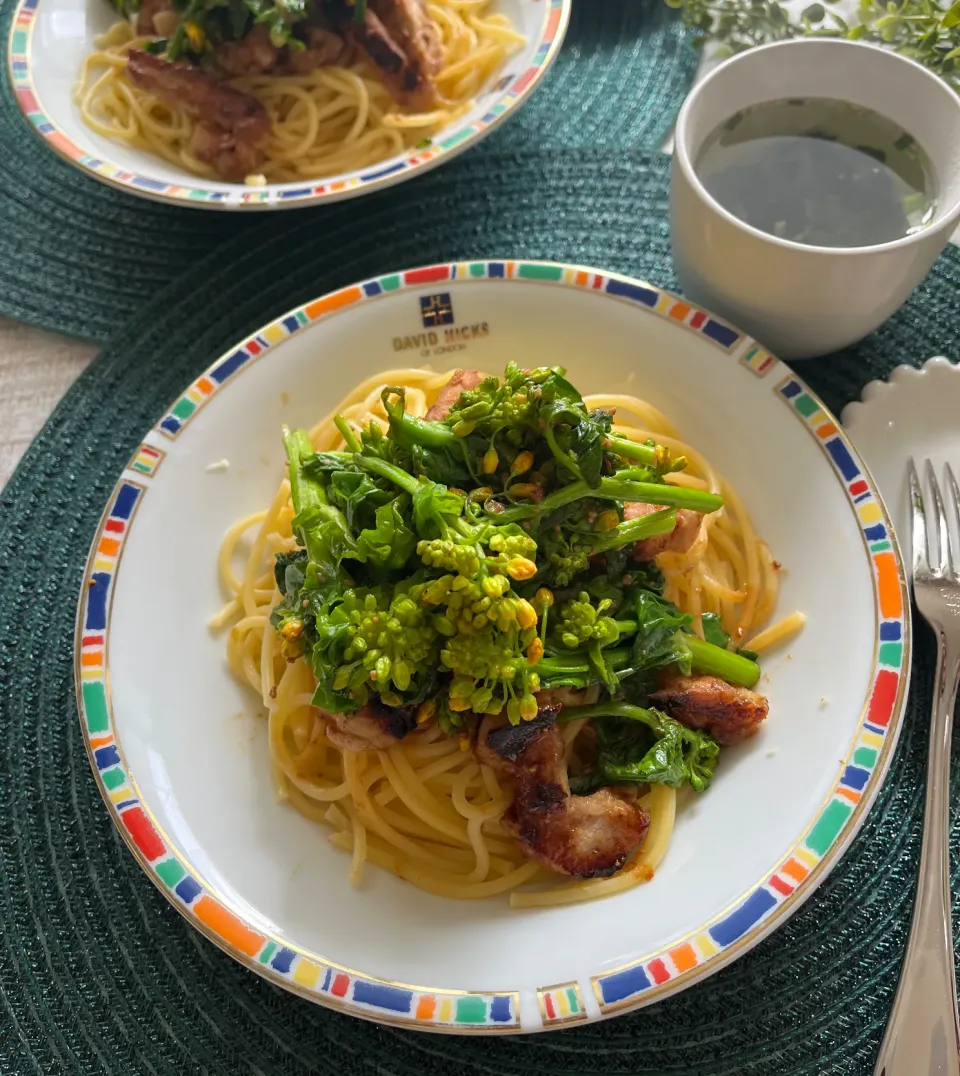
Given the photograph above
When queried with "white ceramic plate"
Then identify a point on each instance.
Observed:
(180, 751)
(50, 38)
(913, 413)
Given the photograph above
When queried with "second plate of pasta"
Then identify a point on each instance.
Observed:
(264, 103)
(493, 618)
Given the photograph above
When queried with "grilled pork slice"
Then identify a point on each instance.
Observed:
(374, 727)
(403, 43)
(230, 154)
(583, 836)
(232, 126)
(460, 381)
(323, 48)
(730, 714)
(256, 54)
(679, 540)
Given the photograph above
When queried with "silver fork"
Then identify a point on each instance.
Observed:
(923, 1034)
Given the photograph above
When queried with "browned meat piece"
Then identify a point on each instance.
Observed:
(254, 54)
(730, 714)
(194, 89)
(373, 727)
(323, 49)
(145, 16)
(532, 747)
(257, 55)
(232, 157)
(233, 126)
(584, 836)
(679, 540)
(415, 32)
(403, 43)
(460, 381)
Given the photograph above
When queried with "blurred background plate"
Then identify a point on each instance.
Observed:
(49, 40)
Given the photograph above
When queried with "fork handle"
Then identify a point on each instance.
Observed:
(923, 1033)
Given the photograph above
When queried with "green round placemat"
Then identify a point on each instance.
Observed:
(81, 258)
(98, 974)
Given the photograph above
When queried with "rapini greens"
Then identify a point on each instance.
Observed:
(456, 568)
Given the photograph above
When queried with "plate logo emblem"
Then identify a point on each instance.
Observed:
(441, 334)
(436, 310)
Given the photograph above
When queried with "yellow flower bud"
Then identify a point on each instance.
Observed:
(495, 586)
(458, 705)
(528, 708)
(606, 521)
(293, 629)
(526, 614)
(426, 711)
(543, 599)
(464, 428)
(523, 489)
(535, 651)
(490, 461)
(522, 463)
(194, 35)
(521, 568)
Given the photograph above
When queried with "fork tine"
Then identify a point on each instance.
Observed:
(943, 552)
(955, 494)
(918, 523)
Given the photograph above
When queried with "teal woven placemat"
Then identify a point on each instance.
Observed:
(81, 258)
(98, 974)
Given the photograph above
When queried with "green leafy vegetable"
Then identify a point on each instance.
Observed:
(321, 527)
(660, 639)
(636, 745)
(619, 489)
(923, 30)
(463, 565)
(724, 664)
(390, 542)
(713, 630)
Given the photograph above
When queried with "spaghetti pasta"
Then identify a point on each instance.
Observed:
(426, 809)
(328, 121)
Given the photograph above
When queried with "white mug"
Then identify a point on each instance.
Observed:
(800, 300)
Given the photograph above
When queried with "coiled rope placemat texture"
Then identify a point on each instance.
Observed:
(98, 974)
(81, 258)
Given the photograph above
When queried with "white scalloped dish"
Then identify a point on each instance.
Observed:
(915, 412)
